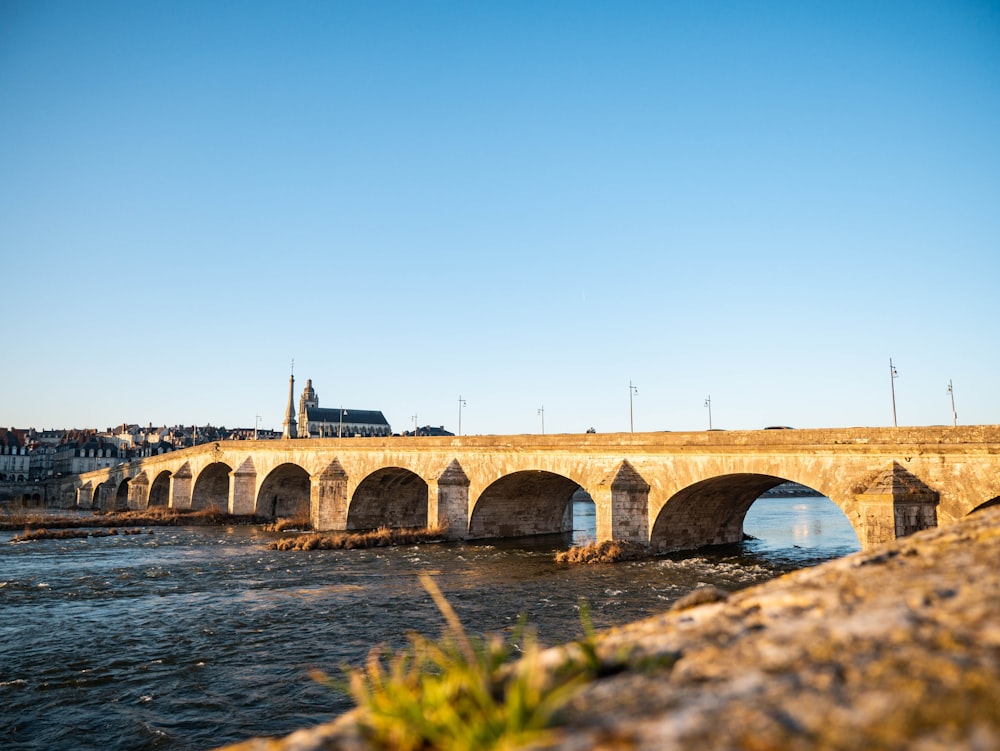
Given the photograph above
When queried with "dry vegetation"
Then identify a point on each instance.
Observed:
(609, 551)
(153, 517)
(378, 538)
(289, 524)
(70, 534)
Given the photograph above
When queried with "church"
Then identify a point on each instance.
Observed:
(318, 422)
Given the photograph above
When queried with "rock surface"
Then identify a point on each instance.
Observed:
(897, 647)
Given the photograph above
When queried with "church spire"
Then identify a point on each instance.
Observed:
(288, 428)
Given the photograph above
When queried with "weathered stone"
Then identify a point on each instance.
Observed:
(896, 504)
(893, 648)
(242, 487)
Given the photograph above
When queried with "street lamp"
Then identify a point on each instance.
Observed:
(340, 426)
(631, 390)
(256, 425)
(954, 414)
(461, 403)
(414, 426)
(708, 403)
(541, 411)
(893, 375)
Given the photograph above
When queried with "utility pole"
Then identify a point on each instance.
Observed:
(954, 414)
(893, 375)
(631, 390)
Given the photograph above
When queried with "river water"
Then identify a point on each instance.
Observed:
(189, 638)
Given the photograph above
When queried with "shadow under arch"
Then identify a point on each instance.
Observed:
(712, 512)
(211, 489)
(121, 496)
(529, 502)
(389, 497)
(988, 504)
(284, 493)
(102, 498)
(159, 490)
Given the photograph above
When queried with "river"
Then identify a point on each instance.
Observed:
(193, 637)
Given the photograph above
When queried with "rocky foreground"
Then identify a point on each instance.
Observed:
(893, 648)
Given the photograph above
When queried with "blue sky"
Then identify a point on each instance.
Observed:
(526, 204)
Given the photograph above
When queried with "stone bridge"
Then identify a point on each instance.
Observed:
(671, 491)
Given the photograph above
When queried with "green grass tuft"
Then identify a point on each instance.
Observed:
(461, 693)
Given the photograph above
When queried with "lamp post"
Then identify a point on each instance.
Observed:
(414, 426)
(954, 414)
(461, 403)
(893, 375)
(541, 411)
(631, 390)
(256, 425)
(708, 403)
(340, 426)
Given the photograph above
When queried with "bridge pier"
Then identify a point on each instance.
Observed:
(85, 495)
(242, 489)
(180, 487)
(448, 501)
(622, 502)
(138, 492)
(328, 498)
(896, 504)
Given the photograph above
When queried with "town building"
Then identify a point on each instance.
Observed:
(85, 452)
(15, 457)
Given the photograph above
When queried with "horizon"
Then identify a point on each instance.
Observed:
(523, 207)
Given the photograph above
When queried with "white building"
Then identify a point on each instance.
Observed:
(15, 459)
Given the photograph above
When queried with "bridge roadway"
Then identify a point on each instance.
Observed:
(671, 491)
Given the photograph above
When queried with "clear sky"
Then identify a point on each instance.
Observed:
(525, 204)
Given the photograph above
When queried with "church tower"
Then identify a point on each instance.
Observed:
(288, 429)
(308, 400)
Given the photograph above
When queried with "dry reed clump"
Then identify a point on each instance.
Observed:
(289, 524)
(70, 534)
(162, 516)
(156, 516)
(22, 520)
(609, 551)
(377, 538)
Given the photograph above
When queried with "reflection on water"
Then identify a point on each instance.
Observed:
(195, 637)
(812, 522)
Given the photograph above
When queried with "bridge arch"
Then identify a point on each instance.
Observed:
(121, 495)
(712, 511)
(211, 489)
(389, 497)
(104, 495)
(159, 490)
(529, 502)
(284, 493)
